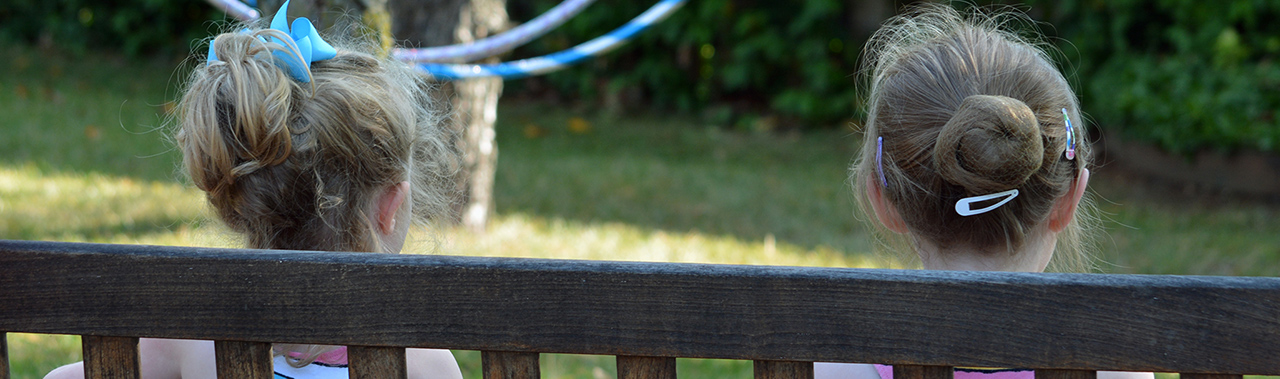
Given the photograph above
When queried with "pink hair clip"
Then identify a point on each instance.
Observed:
(1071, 136)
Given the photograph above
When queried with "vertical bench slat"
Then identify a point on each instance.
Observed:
(783, 370)
(243, 360)
(368, 362)
(1066, 374)
(110, 357)
(4, 355)
(509, 365)
(923, 372)
(1210, 376)
(646, 367)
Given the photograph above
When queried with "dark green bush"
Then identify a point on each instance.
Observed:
(1186, 75)
(133, 26)
(737, 61)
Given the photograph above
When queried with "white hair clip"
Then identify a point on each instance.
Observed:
(963, 207)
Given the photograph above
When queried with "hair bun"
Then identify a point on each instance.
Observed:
(992, 143)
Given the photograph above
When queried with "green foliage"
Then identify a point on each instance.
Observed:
(1183, 74)
(738, 61)
(134, 26)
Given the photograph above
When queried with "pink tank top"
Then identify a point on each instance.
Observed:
(886, 372)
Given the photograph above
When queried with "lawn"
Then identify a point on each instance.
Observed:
(84, 156)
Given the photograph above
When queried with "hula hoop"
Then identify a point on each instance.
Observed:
(498, 44)
(466, 52)
(236, 9)
(560, 60)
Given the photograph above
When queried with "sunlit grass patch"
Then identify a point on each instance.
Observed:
(40, 205)
(522, 235)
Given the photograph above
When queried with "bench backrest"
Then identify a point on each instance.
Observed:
(923, 322)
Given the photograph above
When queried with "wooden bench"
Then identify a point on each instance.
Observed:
(646, 314)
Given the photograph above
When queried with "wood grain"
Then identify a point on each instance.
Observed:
(4, 355)
(243, 360)
(509, 365)
(367, 362)
(646, 367)
(764, 369)
(111, 357)
(1066, 374)
(923, 372)
(931, 318)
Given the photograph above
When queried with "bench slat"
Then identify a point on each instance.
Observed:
(923, 372)
(111, 357)
(243, 360)
(766, 369)
(1055, 321)
(377, 362)
(1066, 374)
(4, 355)
(646, 367)
(509, 365)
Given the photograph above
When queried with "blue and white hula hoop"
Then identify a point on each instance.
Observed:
(500, 43)
(506, 41)
(556, 61)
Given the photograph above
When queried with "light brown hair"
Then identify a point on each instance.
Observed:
(294, 165)
(963, 109)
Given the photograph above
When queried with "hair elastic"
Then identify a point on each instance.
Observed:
(879, 163)
(964, 209)
(1071, 136)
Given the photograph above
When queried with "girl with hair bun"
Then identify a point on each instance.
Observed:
(972, 157)
(301, 146)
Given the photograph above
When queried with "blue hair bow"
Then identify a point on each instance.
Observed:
(311, 47)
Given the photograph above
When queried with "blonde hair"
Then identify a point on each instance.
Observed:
(293, 165)
(963, 108)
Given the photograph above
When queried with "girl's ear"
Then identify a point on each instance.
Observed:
(885, 212)
(1065, 208)
(388, 204)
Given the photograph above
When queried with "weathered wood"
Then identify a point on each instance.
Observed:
(936, 318)
(367, 362)
(243, 360)
(923, 372)
(1208, 376)
(646, 367)
(509, 365)
(1067, 374)
(4, 355)
(111, 357)
(764, 369)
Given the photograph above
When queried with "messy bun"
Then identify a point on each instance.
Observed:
(962, 109)
(991, 144)
(248, 99)
(294, 165)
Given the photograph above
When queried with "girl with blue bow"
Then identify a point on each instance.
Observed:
(301, 146)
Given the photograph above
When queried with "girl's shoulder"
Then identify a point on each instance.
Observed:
(432, 364)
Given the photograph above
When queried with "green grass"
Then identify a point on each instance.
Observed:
(83, 158)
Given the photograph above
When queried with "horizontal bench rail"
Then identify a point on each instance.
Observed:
(1188, 324)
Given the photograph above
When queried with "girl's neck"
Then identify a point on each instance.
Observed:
(1033, 256)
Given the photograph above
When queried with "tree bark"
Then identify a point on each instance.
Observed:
(424, 23)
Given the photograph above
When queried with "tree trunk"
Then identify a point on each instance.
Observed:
(424, 23)
(474, 102)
